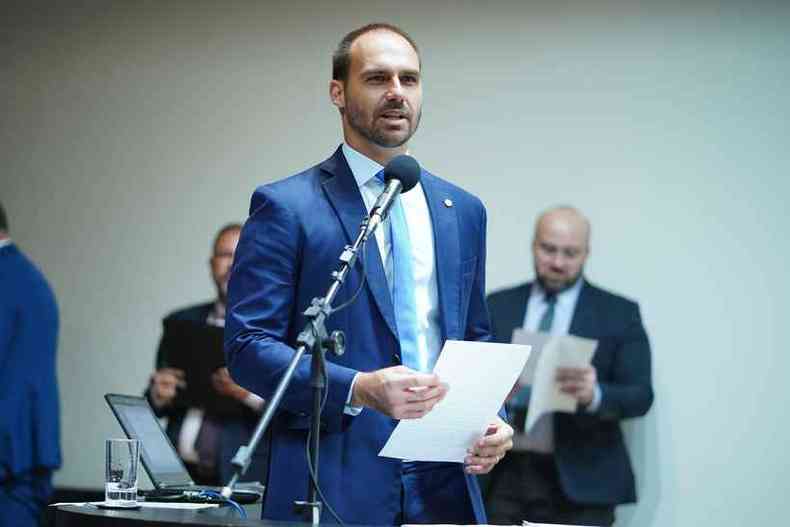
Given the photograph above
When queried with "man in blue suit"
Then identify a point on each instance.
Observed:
(296, 230)
(572, 468)
(29, 404)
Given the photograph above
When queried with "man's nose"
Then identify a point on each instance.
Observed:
(558, 262)
(395, 89)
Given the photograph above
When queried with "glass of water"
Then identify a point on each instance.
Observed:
(122, 460)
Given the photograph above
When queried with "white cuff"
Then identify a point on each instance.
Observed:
(254, 401)
(349, 409)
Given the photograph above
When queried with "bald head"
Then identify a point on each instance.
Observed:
(566, 220)
(560, 247)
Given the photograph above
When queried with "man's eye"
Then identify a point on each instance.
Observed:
(409, 79)
(548, 249)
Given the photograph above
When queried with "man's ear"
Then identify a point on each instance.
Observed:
(337, 94)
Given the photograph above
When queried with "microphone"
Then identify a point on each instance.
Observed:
(401, 174)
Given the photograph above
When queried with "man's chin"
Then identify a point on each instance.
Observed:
(555, 286)
(391, 140)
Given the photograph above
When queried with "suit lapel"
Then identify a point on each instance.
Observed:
(342, 192)
(518, 311)
(446, 244)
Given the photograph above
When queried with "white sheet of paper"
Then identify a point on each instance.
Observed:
(549, 353)
(480, 376)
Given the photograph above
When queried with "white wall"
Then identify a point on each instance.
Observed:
(132, 130)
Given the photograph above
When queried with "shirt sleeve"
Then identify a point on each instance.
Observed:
(349, 408)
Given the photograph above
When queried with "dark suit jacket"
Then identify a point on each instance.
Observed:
(29, 403)
(235, 431)
(591, 456)
(289, 245)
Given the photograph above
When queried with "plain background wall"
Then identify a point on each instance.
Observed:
(131, 130)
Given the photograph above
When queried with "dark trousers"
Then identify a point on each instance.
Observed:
(434, 493)
(23, 498)
(526, 486)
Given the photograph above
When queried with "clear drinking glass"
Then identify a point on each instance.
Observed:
(120, 476)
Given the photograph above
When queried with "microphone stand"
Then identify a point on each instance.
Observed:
(315, 339)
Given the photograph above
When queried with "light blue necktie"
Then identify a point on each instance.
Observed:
(402, 287)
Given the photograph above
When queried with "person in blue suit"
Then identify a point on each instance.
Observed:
(295, 233)
(207, 440)
(572, 468)
(29, 402)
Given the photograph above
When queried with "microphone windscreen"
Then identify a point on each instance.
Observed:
(404, 168)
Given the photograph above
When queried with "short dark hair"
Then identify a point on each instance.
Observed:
(341, 58)
(3, 219)
(224, 230)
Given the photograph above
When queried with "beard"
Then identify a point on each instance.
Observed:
(222, 288)
(366, 127)
(557, 285)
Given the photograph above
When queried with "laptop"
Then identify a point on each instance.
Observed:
(160, 460)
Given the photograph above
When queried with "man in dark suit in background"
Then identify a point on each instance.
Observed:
(571, 468)
(29, 403)
(207, 441)
(424, 283)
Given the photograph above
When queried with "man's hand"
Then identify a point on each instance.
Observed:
(489, 449)
(398, 392)
(224, 385)
(164, 384)
(578, 382)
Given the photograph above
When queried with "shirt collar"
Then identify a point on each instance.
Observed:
(6, 241)
(362, 167)
(216, 317)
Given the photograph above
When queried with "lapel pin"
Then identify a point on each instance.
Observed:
(448, 203)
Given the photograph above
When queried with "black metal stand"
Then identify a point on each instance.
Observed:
(315, 339)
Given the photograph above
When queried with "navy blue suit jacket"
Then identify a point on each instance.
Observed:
(29, 403)
(296, 230)
(591, 456)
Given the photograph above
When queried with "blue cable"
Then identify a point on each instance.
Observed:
(218, 496)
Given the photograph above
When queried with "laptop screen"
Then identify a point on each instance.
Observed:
(138, 421)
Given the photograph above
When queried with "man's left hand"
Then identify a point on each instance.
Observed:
(489, 449)
(578, 382)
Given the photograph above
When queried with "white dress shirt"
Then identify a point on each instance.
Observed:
(563, 308)
(4, 242)
(418, 220)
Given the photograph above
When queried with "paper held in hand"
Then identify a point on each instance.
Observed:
(550, 352)
(480, 376)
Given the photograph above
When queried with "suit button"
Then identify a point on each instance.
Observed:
(396, 357)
